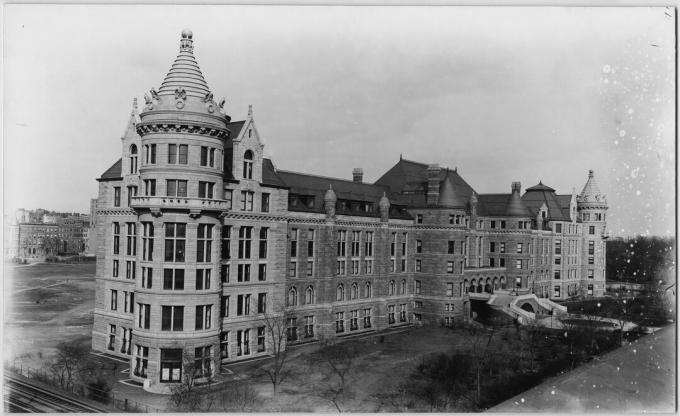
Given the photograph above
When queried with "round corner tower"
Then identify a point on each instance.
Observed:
(183, 132)
(592, 213)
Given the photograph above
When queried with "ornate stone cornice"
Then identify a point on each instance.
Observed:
(152, 127)
(117, 211)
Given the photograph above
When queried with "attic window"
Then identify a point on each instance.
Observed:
(248, 164)
(250, 132)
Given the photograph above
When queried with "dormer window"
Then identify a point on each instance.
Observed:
(248, 165)
(133, 159)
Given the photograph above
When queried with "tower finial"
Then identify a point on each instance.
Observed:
(591, 173)
(134, 106)
(186, 44)
(250, 110)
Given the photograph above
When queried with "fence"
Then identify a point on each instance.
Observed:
(90, 392)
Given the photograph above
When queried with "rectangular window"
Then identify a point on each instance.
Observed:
(243, 273)
(204, 156)
(292, 269)
(147, 241)
(178, 154)
(141, 360)
(131, 239)
(557, 291)
(591, 260)
(114, 300)
(131, 192)
(591, 248)
(368, 266)
(390, 314)
(244, 239)
(116, 196)
(404, 240)
(419, 218)
(419, 266)
(247, 200)
(367, 318)
(449, 289)
(339, 322)
(176, 188)
(520, 246)
(449, 267)
(224, 344)
(493, 224)
(501, 262)
(226, 242)
(417, 289)
(261, 303)
(150, 154)
(243, 305)
(368, 244)
(558, 247)
(144, 316)
(224, 306)
(419, 246)
(310, 268)
(293, 235)
(309, 326)
(260, 339)
(205, 189)
(356, 243)
(203, 279)
(291, 329)
(130, 270)
(558, 260)
(310, 243)
(112, 337)
(224, 273)
(228, 197)
(451, 247)
(147, 277)
(502, 248)
(261, 272)
(502, 224)
(492, 262)
(340, 269)
(558, 228)
(590, 290)
(591, 229)
(115, 268)
(171, 365)
(354, 320)
(342, 241)
(204, 243)
(402, 313)
(518, 264)
(175, 239)
(557, 275)
(203, 361)
(173, 279)
(172, 318)
(203, 316)
(591, 273)
(116, 238)
(393, 246)
(265, 202)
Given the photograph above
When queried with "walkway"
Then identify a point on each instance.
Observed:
(638, 377)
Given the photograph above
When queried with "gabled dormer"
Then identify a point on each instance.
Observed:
(247, 151)
(131, 144)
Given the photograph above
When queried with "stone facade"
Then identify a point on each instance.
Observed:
(200, 240)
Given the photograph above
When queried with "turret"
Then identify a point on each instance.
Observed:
(384, 205)
(329, 201)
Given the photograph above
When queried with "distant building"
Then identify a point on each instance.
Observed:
(199, 237)
(38, 241)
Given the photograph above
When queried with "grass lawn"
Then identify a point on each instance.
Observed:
(46, 304)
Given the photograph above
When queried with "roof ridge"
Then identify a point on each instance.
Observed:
(328, 177)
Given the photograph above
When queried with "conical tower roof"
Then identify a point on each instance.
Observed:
(185, 72)
(448, 196)
(591, 192)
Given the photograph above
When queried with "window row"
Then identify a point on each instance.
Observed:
(244, 304)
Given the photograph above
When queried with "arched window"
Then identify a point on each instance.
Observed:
(354, 293)
(391, 287)
(403, 287)
(502, 282)
(495, 283)
(292, 297)
(133, 159)
(369, 290)
(248, 164)
(309, 295)
(340, 293)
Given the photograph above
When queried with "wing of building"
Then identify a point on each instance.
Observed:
(201, 240)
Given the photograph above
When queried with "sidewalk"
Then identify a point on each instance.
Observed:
(638, 377)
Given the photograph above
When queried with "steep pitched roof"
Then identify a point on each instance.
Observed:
(114, 172)
(541, 194)
(305, 184)
(269, 175)
(235, 128)
(407, 183)
(564, 201)
(498, 205)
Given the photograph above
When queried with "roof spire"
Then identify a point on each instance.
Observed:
(250, 110)
(186, 44)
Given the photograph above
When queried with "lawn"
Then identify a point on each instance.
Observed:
(45, 304)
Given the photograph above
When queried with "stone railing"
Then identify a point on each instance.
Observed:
(194, 205)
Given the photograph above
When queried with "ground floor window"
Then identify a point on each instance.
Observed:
(171, 365)
(402, 313)
(260, 339)
(367, 318)
(417, 317)
(203, 361)
(354, 320)
(141, 360)
(224, 345)
(127, 341)
(112, 337)
(309, 326)
(243, 342)
(390, 314)
(291, 329)
(557, 291)
(590, 289)
(340, 322)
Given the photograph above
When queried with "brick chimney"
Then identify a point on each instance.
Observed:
(433, 184)
(358, 175)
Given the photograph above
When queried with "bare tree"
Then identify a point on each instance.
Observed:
(69, 363)
(238, 397)
(337, 360)
(188, 395)
(276, 327)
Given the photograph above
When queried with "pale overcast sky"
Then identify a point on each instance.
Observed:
(503, 94)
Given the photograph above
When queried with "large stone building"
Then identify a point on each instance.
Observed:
(200, 238)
